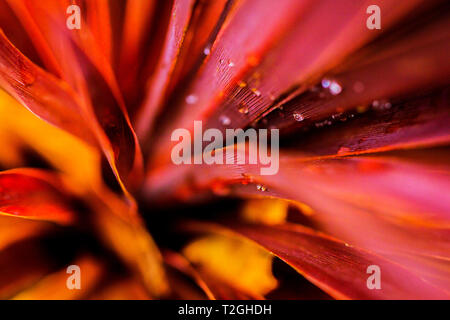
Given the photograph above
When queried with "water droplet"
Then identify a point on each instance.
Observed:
(27, 78)
(381, 105)
(297, 116)
(207, 51)
(335, 88)
(242, 84)
(230, 63)
(261, 188)
(256, 92)
(224, 120)
(191, 99)
(325, 83)
(243, 108)
(336, 116)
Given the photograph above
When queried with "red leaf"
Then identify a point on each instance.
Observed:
(99, 22)
(36, 37)
(44, 95)
(34, 194)
(137, 27)
(253, 25)
(206, 22)
(14, 31)
(422, 121)
(327, 33)
(388, 71)
(302, 49)
(181, 15)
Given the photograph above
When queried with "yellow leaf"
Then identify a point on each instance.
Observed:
(14, 229)
(122, 230)
(266, 211)
(20, 128)
(53, 286)
(236, 261)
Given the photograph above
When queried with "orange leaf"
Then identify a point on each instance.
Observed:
(34, 194)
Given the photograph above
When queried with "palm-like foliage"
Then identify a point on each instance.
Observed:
(87, 177)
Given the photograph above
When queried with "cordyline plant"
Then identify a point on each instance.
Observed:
(86, 117)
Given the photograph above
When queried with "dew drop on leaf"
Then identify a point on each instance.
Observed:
(335, 88)
(297, 116)
(243, 108)
(261, 188)
(381, 105)
(191, 99)
(256, 92)
(242, 84)
(224, 120)
(27, 78)
(325, 83)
